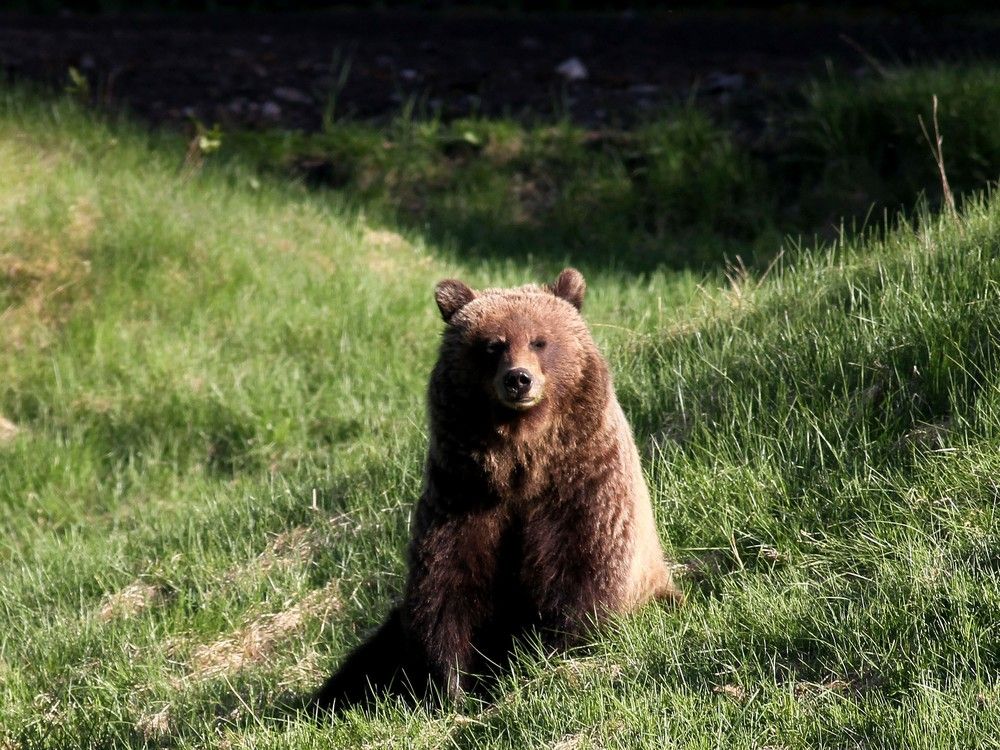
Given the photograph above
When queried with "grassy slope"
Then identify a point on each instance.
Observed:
(194, 362)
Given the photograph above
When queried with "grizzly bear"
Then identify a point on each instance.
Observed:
(534, 514)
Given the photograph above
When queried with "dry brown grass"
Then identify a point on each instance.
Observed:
(42, 277)
(290, 549)
(502, 151)
(733, 692)
(255, 643)
(8, 431)
(131, 601)
(155, 726)
(576, 741)
(390, 254)
(533, 198)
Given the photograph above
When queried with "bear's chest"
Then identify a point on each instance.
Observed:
(517, 477)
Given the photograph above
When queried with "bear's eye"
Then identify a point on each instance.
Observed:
(496, 347)
(538, 344)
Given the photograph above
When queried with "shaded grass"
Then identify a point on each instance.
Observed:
(217, 379)
(864, 145)
(683, 190)
(677, 192)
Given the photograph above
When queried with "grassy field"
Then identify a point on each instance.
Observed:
(211, 385)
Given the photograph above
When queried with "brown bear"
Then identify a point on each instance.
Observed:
(534, 512)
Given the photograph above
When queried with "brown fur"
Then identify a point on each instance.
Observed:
(534, 512)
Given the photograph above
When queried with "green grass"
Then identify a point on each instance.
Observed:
(635, 200)
(218, 378)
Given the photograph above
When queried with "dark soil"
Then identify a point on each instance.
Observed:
(261, 71)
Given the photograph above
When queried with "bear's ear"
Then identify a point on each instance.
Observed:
(451, 296)
(570, 286)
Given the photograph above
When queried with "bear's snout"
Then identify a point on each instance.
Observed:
(519, 388)
(517, 383)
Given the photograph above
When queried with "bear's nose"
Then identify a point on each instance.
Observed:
(517, 382)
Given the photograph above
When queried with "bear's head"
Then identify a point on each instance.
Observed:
(522, 352)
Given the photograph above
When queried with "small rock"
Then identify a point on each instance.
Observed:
(408, 74)
(530, 42)
(87, 62)
(572, 69)
(271, 110)
(8, 431)
(294, 96)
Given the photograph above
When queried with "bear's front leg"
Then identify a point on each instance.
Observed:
(450, 592)
(576, 553)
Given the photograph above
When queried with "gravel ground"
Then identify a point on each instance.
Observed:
(263, 71)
